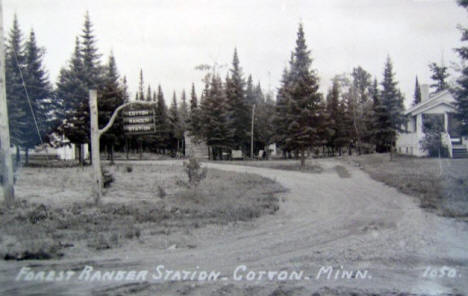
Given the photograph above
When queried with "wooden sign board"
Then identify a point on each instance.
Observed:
(139, 122)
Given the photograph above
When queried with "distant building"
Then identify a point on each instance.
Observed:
(439, 105)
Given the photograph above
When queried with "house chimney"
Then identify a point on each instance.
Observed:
(424, 92)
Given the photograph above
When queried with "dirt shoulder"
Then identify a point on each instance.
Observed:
(325, 220)
(55, 217)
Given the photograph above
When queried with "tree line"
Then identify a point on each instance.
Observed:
(358, 113)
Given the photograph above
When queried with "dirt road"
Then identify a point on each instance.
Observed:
(337, 234)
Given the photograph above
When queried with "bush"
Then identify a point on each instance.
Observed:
(194, 172)
(432, 141)
(129, 168)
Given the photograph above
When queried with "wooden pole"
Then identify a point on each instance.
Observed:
(252, 133)
(5, 154)
(95, 135)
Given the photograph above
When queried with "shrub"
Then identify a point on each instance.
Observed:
(129, 168)
(194, 172)
(432, 141)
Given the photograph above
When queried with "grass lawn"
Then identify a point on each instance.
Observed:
(54, 216)
(441, 185)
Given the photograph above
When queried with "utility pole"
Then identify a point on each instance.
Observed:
(5, 155)
(252, 133)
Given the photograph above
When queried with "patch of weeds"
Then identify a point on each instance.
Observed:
(161, 192)
(342, 171)
(194, 171)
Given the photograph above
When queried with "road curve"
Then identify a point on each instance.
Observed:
(324, 220)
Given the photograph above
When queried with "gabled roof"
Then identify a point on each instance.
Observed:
(441, 98)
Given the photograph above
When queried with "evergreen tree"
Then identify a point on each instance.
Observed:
(250, 92)
(281, 113)
(162, 121)
(141, 87)
(194, 116)
(237, 109)
(16, 96)
(333, 112)
(91, 57)
(417, 93)
(461, 90)
(304, 112)
(214, 118)
(148, 94)
(175, 123)
(84, 73)
(183, 114)
(439, 76)
(39, 120)
(111, 96)
(391, 110)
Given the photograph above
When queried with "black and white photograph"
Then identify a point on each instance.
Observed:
(234, 147)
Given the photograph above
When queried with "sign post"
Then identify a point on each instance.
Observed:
(96, 135)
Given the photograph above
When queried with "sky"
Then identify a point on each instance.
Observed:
(169, 38)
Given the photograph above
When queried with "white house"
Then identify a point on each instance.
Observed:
(442, 105)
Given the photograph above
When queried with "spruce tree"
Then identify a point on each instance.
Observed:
(304, 114)
(439, 76)
(194, 116)
(91, 57)
(417, 93)
(214, 118)
(175, 123)
(237, 109)
(15, 62)
(141, 88)
(461, 89)
(111, 96)
(281, 113)
(333, 112)
(162, 122)
(391, 109)
(38, 120)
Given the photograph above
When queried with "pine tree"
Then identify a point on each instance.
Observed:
(183, 115)
(91, 57)
(391, 109)
(162, 122)
(304, 105)
(439, 76)
(194, 116)
(84, 73)
(250, 92)
(281, 111)
(237, 109)
(38, 120)
(175, 123)
(141, 87)
(461, 90)
(333, 103)
(16, 96)
(111, 96)
(215, 119)
(417, 93)
(148, 94)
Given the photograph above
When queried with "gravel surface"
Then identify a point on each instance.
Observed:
(325, 220)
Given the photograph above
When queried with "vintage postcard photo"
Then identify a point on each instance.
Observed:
(245, 148)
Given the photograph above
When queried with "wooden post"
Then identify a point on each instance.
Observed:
(95, 135)
(252, 133)
(5, 154)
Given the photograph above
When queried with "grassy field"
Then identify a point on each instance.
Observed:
(441, 185)
(54, 215)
